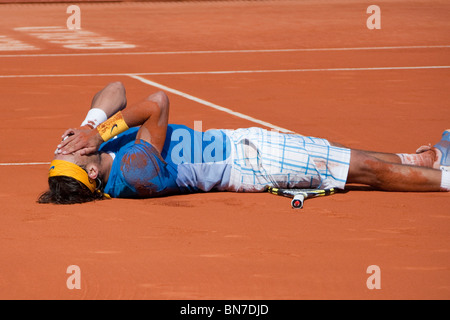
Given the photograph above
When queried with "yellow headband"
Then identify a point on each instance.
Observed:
(69, 169)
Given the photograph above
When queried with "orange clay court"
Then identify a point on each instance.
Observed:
(312, 67)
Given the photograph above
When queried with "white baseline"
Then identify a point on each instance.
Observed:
(215, 72)
(221, 51)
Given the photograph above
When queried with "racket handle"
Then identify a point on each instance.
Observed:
(297, 202)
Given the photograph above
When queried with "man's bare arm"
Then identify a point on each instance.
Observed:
(151, 114)
(111, 99)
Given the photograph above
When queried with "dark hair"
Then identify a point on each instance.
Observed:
(67, 190)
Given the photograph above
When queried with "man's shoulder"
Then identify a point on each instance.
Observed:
(118, 142)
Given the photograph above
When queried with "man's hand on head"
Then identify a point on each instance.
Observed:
(84, 139)
(71, 131)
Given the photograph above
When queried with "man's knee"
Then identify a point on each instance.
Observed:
(366, 169)
(116, 86)
(337, 144)
(161, 99)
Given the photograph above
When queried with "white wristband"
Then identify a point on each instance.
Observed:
(94, 117)
(445, 181)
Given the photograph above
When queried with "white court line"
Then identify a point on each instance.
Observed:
(218, 51)
(214, 72)
(23, 163)
(184, 95)
(137, 76)
(209, 104)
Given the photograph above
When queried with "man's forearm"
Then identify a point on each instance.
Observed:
(133, 116)
(151, 114)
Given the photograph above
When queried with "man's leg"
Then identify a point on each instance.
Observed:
(111, 99)
(427, 158)
(367, 169)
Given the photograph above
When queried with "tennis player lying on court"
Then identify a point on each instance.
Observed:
(105, 158)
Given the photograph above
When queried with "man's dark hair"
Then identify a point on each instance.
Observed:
(67, 190)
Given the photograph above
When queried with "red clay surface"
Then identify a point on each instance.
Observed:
(226, 245)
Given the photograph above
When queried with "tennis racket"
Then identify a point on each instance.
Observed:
(299, 196)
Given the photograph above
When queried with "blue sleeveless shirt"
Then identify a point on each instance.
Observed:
(191, 161)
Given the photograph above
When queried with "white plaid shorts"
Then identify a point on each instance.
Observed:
(260, 157)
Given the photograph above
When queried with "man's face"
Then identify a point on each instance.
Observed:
(80, 160)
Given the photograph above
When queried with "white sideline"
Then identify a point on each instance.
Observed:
(138, 76)
(215, 72)
(219, 51)
(23, 163)
(209, 104)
